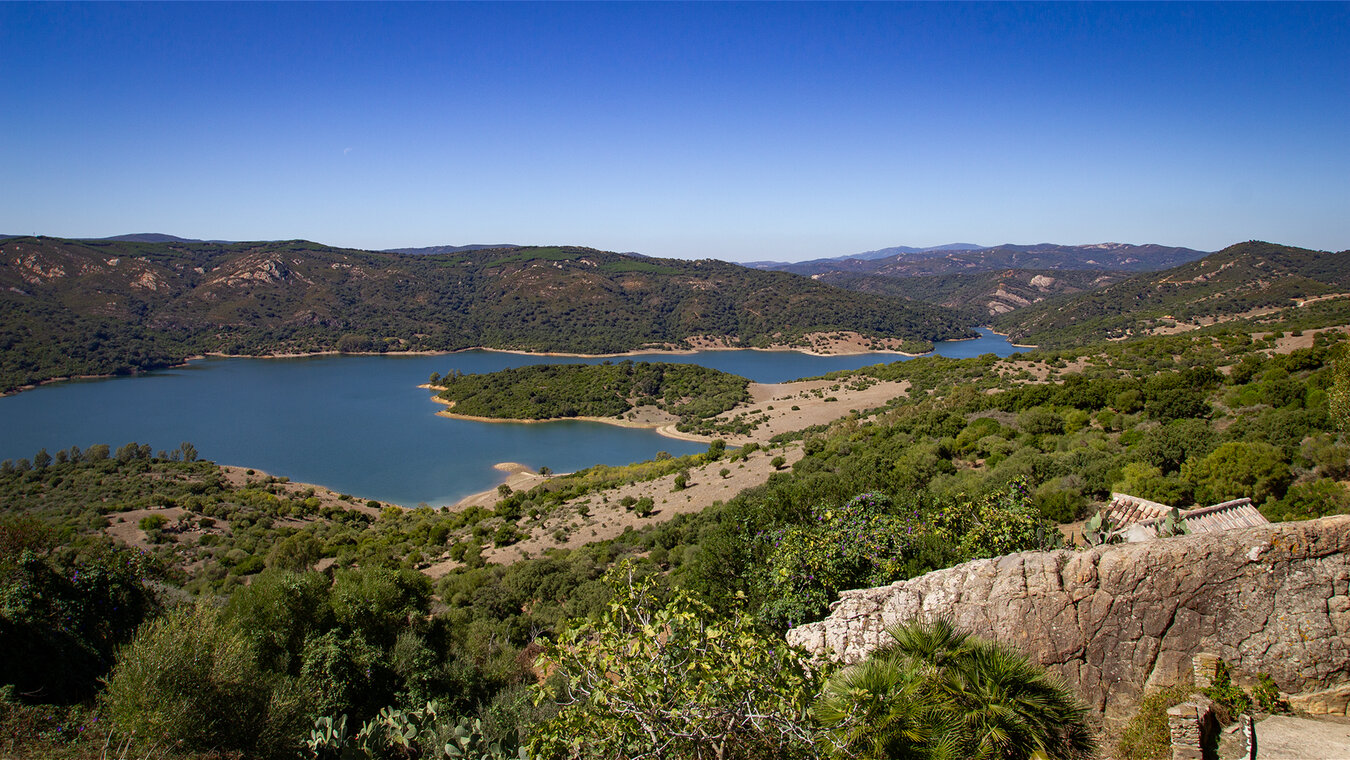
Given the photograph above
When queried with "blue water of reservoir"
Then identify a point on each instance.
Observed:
(360, 424)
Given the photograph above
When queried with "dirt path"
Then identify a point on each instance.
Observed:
(1284, 737)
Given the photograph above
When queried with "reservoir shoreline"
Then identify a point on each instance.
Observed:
(356, 424)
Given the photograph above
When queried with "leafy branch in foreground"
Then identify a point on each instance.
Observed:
(668, 679)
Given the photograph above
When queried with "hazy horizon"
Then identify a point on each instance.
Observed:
(585, 245)
(734, 131)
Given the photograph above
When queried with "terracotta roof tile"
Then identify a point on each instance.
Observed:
(1146, 515)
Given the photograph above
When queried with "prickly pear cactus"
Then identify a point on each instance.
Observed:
(329, 739)
(411, 734)
(1173, 525)
(468, 742)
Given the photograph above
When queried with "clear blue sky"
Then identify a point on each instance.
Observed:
(734, 131)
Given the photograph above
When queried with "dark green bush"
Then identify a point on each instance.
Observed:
(189, 678)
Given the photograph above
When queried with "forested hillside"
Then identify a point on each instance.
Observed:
(1247, 280)
(985, 282)
(99, 307)
(980, 294)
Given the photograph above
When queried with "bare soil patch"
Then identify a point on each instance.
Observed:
(838, 343)
(1039, 371)
(607, 518)
(785, 407)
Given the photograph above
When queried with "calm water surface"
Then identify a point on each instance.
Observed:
(360, 424)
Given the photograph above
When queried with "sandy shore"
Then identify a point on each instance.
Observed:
(601, 515)
(838, 343)
(519, 478)
(778, 408)
(605, 517)
(1005, 335)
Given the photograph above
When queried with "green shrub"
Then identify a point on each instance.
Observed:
(1146, 736)
(378, 602)
(1306, 501)
(1253, 469)
(648, 667)
(507, 534)
(278, 612)
(62, 619)
(189, 678)
(249, 565)
(1230, 697)
(1061, 506)
(856, 545)
(1267, 695)
(644, 506)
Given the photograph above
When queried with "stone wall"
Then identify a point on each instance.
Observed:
(1115, 620)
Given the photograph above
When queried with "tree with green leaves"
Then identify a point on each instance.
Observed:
(934, 692)
(855, 545)
(1001, 523)
(656, 678)
(1254, 469)
(1338, 395)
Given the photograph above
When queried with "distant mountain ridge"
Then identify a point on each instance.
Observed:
(880, 253)
(152, 237)
(139, 237)
(160, 237)
(1240, 281)
(899, 250)
(948, 260)
(75, 307)
(985, 282)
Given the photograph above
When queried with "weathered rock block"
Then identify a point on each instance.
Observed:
(1113, 620)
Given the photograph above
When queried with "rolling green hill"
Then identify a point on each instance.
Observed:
(1246, 280)
(104, 306)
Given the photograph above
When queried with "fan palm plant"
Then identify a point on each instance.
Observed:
(934, 692)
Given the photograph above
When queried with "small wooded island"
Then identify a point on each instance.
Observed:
(693, 394)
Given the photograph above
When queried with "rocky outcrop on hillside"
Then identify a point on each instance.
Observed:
(1116, 620)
